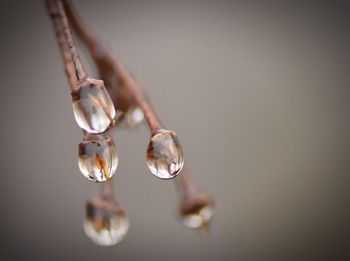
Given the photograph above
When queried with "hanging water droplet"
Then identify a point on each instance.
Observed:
(105, 224)
(98, 158)
(164, 154)
(197, 208)
(198, 217)
(93, 108)
(133, 117)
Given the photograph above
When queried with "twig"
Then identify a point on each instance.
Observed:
(112, 72)
(107, 189)
(183, 182)
(74, 68)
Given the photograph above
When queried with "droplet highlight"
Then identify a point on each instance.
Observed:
(133, 117)
(198, 218)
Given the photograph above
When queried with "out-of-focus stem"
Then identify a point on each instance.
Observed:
(107, 189)
(190, 194)
(183, 182)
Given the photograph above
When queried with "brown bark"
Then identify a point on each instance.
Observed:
(74, 68)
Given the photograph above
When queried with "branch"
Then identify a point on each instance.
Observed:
(117, 79)
(74, 68)
(107, 189)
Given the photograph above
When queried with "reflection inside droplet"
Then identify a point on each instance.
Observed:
(93, 108)
(98, 158)
(199, 218)
(105, 224)
(164, 154)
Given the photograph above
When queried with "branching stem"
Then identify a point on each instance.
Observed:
(112, 72)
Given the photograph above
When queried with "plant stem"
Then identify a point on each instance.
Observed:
(183, 182)
(111, 70)
(74, 68)
(107, 189)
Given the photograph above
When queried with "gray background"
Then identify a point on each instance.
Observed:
(258, 93)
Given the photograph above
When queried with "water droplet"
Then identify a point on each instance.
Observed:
(133, 117)
(198, 218)
(98, 158)
(164, 154)
(197, 208)
(105, 224)
(93, 108)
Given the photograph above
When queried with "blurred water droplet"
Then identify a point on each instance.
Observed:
(198, 218)
(196, 208)
(98, 159)
(133, 117)
(105, 224)
(164, 154)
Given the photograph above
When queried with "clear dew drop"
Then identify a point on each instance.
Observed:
(98, 158)
(133, 117)
(164, 154)
(93, 108)
(199, 218)
(105, 226)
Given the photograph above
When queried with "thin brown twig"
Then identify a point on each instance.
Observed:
(187, 188)
(183, 182)
(107, 189)
(74, 68)
(112, 72)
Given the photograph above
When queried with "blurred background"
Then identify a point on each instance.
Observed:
(258, 93)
